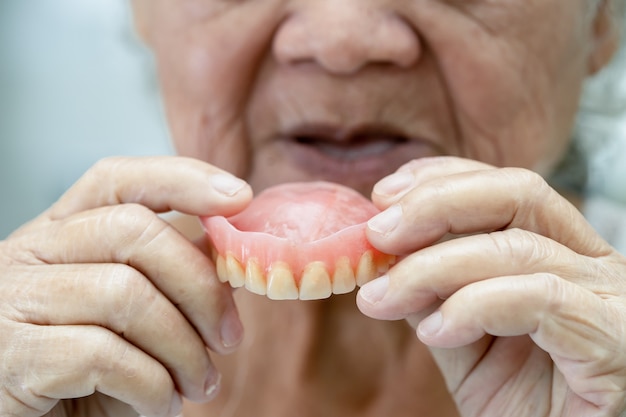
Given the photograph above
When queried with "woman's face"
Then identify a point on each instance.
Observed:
(349, 90)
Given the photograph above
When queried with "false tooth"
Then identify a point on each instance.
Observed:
(220, 268)
(255, 281)
(280, 282)
(385, 264)
(315, 283)
(343, 278)
(236, 274)
(366, 270)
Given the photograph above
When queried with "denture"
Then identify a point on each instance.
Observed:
(297, 241)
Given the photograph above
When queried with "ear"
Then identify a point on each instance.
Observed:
(606, 35)
(140, 9)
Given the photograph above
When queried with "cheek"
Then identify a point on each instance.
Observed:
(202, 111)
(206, 85)
(216, 141)
(514, 97)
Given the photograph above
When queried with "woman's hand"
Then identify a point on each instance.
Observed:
(524, 310)
(102, 300)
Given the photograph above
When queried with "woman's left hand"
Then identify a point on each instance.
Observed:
(521, 302)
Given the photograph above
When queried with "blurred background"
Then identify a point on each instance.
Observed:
(76, 85)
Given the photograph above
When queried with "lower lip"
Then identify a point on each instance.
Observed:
(358, 165)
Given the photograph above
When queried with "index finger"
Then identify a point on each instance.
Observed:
(162, 184)
(481, 202)
(392, 188)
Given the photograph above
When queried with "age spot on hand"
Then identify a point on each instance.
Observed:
(298, 241)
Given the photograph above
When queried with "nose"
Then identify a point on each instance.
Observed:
(346, 35)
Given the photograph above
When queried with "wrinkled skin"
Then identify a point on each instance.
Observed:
(447, 112)
(79, 313)
(531, 299)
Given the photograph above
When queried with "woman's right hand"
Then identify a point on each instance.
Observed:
(104, 303)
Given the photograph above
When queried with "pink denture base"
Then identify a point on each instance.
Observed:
(297, 223)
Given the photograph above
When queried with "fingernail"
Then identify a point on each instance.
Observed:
(231, 330)
(431, 325)
(375, 290)
(394, 184)
(385, 222)
(227, 184)
(212, 386)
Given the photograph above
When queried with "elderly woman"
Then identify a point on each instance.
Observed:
(449, 114)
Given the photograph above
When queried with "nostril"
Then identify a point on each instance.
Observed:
(346, 57)
(344, 37)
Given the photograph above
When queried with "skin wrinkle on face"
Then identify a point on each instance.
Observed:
(283, 108)
(227, 93)
(519, 58)
(290, 107)
(202, 120)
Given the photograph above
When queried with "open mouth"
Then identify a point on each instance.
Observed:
(357, 157)
(354, 148)
(348, 144)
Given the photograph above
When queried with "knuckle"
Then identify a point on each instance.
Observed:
(104, 166)
(530, 181)
(524, 247)
(137, 218)
(553, 290)
(125, 292)
(99, 352)
(100, 172)
(523, 175)
(135, 224)
(132, 216)
(106, 352)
